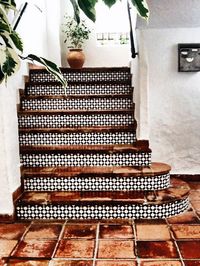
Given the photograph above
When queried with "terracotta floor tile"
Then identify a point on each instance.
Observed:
(75, 249)
(186, 231)
(189, 217)
(6, 247)
(44, 231)
(12, 231)
(161, 263)
(195, 195)
(71, 263)
(156, 249)
(2, 262)
(150, 221)
(192, 262)
(194, 185)
(80, 231)
(152, 232)
(113, 249)
(116, 231)
(116, 263)
(196, 205)
(34, 248)
(16, 262)
(189, 249)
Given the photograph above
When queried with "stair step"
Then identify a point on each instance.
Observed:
(104, 205)
(154, 177)
(138, 154)
(83, 75)
(76, 102)
(71, 136)
(77, 89)
(75, 118)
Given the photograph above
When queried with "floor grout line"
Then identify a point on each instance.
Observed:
(58, 240)
(175, 243)
(96, 244)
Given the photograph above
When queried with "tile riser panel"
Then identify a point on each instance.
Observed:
(102, 211)
(78, 89)
(64, 121)
(77, 104)
(77, 76)
(77, 183)
(85, 159)
(77, 138)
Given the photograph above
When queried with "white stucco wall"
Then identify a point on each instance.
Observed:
(9, 151)
(171, 98)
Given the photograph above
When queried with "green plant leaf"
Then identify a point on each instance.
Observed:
(109, 3)
(11, 63)
(8, 4)
(76, 11)
(16, 40)
(50, 66)
(141, 7)
(88, 7)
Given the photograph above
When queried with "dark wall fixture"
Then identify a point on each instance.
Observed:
(188, 57)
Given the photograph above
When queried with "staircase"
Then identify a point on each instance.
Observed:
(80, 155)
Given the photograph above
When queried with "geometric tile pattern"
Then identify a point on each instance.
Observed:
(77, 76)
(77, 104)
(85, 159)
(77, 138)
(102, 183)
(102, 211)
(58, 121)
(79, 89)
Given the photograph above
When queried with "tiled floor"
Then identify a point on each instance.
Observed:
(171, 242)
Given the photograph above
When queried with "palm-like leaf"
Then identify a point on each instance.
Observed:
(141, 7)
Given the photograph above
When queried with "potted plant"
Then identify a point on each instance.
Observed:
(76, 33)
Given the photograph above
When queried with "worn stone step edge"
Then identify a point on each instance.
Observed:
(68, 96)
(75, 112)
(139, 146)
(155, 168)
(105, 129)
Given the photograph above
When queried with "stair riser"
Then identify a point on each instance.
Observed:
(78, 89)
(85, 159)
(103, 211)
(77, 104)
(64, 121)
(91, 183)
(77, 138)
(77, 76)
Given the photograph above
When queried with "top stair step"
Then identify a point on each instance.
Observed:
(84, 75)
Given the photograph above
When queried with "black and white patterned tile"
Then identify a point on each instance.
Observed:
(77, 104)
(78, 89)
(114, 211)
(82, 76)
(85, 159)
(99, 183)
(63, 121)
(77, 138)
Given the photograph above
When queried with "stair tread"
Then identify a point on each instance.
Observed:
(74, 112)
(178, 190)
(138, 146)
(68, 96)
(156, 168)
(82, 130)
(85, 69)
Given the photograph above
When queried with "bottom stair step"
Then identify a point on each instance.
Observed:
(104, 205)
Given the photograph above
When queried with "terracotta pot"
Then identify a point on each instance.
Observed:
(76, 58)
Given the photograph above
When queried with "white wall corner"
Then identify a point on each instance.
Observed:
(142, 88)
